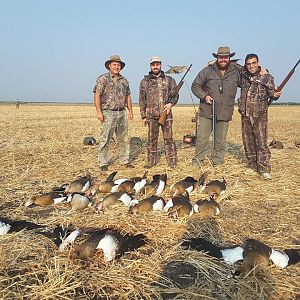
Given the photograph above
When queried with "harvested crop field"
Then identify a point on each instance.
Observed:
(42, 147)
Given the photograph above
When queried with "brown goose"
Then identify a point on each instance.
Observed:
(207, 208)
(109, 244)
(80, 185)
(188, 184)
(179, 206)
(46, 199)
(151, 203)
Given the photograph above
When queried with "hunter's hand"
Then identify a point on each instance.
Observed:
(130, 115)
(167, 108)
(145, 122)
(208, 99)
(100, 116)
(277, 94)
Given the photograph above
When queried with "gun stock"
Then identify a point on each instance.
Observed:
(162, 119)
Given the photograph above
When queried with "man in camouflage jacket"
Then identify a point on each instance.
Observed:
(256, 89)
(111, 97)
(154, 92)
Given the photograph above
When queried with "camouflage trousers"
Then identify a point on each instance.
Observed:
(115, 122)
(170, 147)
(255, 140)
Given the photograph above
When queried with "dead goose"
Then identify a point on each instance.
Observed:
(115, 198)
(46, 199)
(151, 203)
(254, 254)
(109, 243)
(179, 206)
(215, 188)
(188, 184)
(80, 185)
(8, 226)
(207, 208)
(156, 186)
(108, 185)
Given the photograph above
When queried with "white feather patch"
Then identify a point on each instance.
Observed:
(4, 228)
(160, 188)
(139, 185)
(168, 205)
(114, 188)
(217, 210)
(86, 186)
(189, 189)
(108, 245)
(120, 180)
(59, 200)
(279, 259)
(196, 208)
(158, 205)
(68, 240)
(134, 202)
(69, 199)
(232, 255)
(125, 198)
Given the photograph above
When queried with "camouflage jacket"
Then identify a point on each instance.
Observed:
(154, 94)
(222, 89)
(113, 91)
(256, 89)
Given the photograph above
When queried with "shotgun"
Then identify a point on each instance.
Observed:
(163, 116)
(214, 121)
(279, 89)
(284, 82)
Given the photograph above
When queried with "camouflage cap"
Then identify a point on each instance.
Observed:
(154, 59)
(114, 58)
(223, 51)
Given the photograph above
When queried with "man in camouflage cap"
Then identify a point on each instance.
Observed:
(155, 89)
(111, 96)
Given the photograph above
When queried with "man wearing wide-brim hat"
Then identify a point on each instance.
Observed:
(217, 82)
(111, 97)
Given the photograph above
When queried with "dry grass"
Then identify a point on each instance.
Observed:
(41, 147)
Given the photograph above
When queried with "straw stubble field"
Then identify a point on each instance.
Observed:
(41, 147)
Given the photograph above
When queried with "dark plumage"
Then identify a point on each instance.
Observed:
(8, 226)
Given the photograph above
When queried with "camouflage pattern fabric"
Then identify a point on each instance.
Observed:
(113, 91)
(154, 92)
(255, 143)
(114, 122)
(255, 92)
(253, 107)
(170, 147)
(153, 96)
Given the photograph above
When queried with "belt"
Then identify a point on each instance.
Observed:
(115, 109)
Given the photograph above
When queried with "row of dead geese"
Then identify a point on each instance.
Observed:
(82, 192)
(90, 244)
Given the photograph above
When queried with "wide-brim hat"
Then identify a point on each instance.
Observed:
(223, 51)
(115, 58)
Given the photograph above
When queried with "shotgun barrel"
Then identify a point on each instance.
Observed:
(214, 121)
(163, 116)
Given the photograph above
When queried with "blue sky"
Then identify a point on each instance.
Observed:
(54, 50)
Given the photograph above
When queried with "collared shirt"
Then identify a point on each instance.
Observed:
(154, 94)
(113, 91)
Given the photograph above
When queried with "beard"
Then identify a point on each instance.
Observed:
(223, 67)
(156, 71)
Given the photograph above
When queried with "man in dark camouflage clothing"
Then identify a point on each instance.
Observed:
(256, 89)
(155, 90)
(111, 97)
